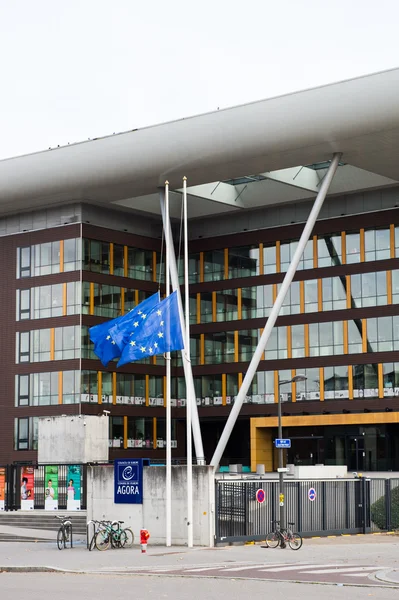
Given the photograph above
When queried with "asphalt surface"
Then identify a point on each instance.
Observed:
(356, 561)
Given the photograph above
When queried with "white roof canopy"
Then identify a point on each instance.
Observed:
(268, 152)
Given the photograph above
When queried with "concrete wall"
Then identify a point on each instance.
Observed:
(73, 439)
(151, 514)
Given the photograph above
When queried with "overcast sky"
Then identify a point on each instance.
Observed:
(78, 69)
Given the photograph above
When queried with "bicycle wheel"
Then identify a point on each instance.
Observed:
(295, 541)
(103, 540)
(272, 539)
(128, 538)
(61, 538)
(93, 542)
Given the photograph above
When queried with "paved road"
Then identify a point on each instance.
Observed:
(346, 560)
(37, 586)
(338, 572)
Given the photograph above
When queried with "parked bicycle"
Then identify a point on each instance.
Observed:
(64, 535)
(280, 537)
(112, 534)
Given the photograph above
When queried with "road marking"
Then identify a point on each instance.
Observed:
(294, 568)
(341, 570)
(201, 569)
(246, 568)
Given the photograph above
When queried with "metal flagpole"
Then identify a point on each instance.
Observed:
(253, 365)
(188, 373)
(168, 377)
(190, 400)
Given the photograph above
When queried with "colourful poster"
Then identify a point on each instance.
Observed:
(2, 487)
(51, 488)
(73, 487)
(27, 488)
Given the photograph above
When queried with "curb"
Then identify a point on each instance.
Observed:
(384, 576)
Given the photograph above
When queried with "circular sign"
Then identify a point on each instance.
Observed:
(312, 494)
(260, 496)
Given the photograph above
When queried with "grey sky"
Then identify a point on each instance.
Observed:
(78, 69)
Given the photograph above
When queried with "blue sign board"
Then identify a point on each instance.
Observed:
(312, 494)
(281, 443)
(128, 481)
(260, 496)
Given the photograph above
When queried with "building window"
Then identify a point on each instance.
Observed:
(116, 432)
(276, 347)
(67, 342)
(329, 250)
(243, 261)
(377, 244)
(269, 259)
(287, 251)
(22, 390)
(46, 258)
(72, 254)
(365, 381)
(227, 305)
(96, 256)
(311, 295)
(383, 334)
(264, 300)
(391, 379)
(107, 300)
(89, 386)
(40, 351)
(291, 304)
(23, 347)
(119, 260)
(47, 301)
(334, 293)
(140, 264)
(355, 345)
(23, 305)
(24, 262)
(219, 347)
(22, 433)
(247, 342)
(140, 432)
(298, 341)
(214, 265)
(265, 387)
(336, 385)
(193, 268)
(369, 289)
(161, 433)
(71, 387)
(352, 248)
(310, 388)
(326, 339)
(248, 304)
(44, 389)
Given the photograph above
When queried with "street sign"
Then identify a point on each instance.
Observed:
(282, 470)
(312, 494)
(282, 443)
(128, 481)
(260, 496)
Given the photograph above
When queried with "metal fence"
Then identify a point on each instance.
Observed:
(316, 507)
(13, 495)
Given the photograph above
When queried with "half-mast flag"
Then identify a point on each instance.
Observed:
(159, 332)
(104, 346)
(120, 330)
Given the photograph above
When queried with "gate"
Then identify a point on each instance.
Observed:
(333, 507)
(37, 476)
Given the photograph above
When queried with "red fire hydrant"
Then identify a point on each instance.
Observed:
(144, 535)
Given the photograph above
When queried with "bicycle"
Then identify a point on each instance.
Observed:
(64, 534)
(97, 525)
(112, 534)
(279, 537)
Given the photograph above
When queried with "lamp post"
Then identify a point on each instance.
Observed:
(295, 379)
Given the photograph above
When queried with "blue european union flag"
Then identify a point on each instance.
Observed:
(104, 346)
(120, 330)
(159, 332)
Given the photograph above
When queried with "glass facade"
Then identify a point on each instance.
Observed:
(325, 323)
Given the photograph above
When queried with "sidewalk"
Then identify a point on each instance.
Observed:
(381, 550)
